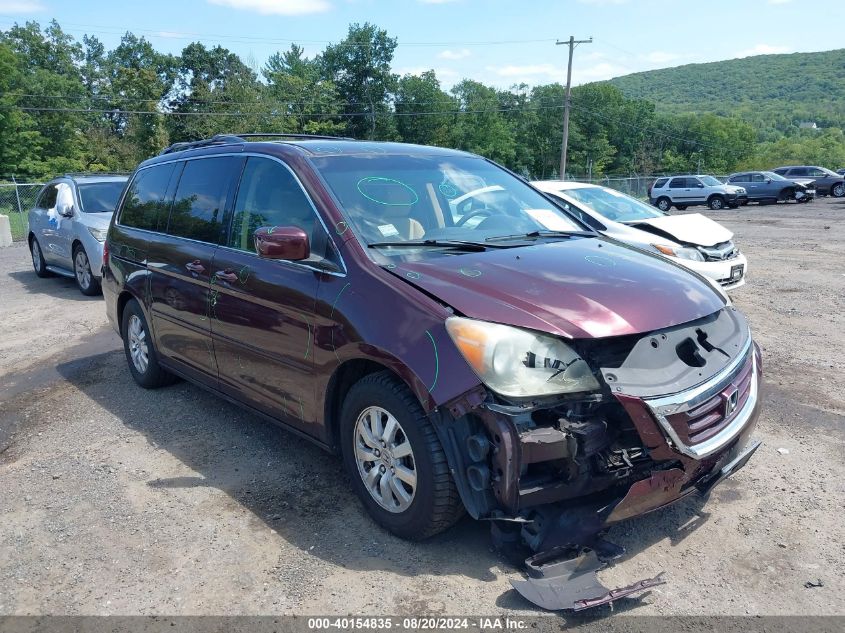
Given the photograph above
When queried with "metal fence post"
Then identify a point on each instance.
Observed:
(17, 197)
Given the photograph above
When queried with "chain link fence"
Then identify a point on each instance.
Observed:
(16, 199)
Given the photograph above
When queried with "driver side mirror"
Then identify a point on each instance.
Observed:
(282, 242)
(768, 181)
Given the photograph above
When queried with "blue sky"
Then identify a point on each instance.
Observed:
(499, 42)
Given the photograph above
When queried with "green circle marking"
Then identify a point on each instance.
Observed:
(378, 179)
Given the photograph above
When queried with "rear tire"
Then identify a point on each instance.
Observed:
(664, 204)
(140, 350)
(838, 190)
(716, 203)
(395, 461)
(85, 279)
(38, 258)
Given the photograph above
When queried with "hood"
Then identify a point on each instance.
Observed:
(692, 228)
(578, 288)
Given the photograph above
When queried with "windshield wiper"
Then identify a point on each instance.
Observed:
(459, 244)
(538, 234)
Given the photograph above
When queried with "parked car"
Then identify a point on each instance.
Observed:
(841, 172)
(692, 240)
(767, 187)
(68, 224)
(827, 182)
(538, 377)
(687, 191)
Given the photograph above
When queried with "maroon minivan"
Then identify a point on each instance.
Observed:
(462, 341)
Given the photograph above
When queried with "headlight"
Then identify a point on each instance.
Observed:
(520, 363)
(98, 234)
(681, 252)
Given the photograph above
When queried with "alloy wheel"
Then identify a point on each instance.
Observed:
(138, 350)
(82, 267)
(385, 459)
(838, 190)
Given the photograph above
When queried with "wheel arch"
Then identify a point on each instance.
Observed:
(342, 380)
(122, 299)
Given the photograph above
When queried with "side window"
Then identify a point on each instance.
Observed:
(694, 182)
(145, 205)
(200, 201)
(799, 171)
(758, 178)
(678, 183)
(268, 196)
(816, 173)
(47, 199)
(781, 172)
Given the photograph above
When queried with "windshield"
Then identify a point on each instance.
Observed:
(710, 181)
(396, 198)
(773, 175)
(100, 197)
(613, 205)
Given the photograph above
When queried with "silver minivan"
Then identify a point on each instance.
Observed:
(68, 225)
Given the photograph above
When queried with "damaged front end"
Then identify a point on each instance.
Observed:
(672, 416)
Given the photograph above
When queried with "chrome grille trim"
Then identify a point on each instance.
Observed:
(686, 400)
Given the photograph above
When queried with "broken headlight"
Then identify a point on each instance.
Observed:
(520, 363)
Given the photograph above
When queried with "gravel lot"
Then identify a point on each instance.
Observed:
(117, 500)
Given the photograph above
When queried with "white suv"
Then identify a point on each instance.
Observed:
(687, 191)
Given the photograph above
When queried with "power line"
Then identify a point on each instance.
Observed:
(183, 35)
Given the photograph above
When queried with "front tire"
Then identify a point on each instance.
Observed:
(716, 203)
(85, 280)
(37, 258)
(395, 461)
(140, 350)
(838, 190)
(664, 204)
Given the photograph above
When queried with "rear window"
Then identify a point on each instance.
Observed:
(100, 197)
(200, 202)
(660, 183)
(145, 205)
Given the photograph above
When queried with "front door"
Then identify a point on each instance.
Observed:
(180, 264)
(263, 319)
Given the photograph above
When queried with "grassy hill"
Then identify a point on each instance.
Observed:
(773, 92)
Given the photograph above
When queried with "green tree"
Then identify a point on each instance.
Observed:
(422, 94)
(481, 128)
(360, 68)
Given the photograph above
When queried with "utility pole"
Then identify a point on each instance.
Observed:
(572, 43)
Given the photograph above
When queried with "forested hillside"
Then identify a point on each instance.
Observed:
(70, 105)
(773, 92)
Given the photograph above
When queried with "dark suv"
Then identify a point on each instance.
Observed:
(825, 181)
(459, 339)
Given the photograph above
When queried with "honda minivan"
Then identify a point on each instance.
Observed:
(492, 356)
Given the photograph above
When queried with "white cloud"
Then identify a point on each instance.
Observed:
(21, 6)
(763, 49)
(447, 54)
(172, 35)
(277, 7)
(660, 57)
(598, 72)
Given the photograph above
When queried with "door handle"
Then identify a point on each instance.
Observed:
(226, 275)
(195, 267)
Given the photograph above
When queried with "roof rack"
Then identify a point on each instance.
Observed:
(228, 139)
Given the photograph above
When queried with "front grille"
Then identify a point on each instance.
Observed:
(707, 419)
(720, 252)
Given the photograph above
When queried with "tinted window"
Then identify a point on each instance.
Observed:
(145, 205)
(740, 178)
(781, 171)
(100, 197)
(47, 199)
(200, 201)
(678, 183)
(815, 172)
(661, 183)
(799, 171)
(758, 178)
(270, 196)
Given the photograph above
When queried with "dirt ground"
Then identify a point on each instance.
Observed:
(116, 500)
